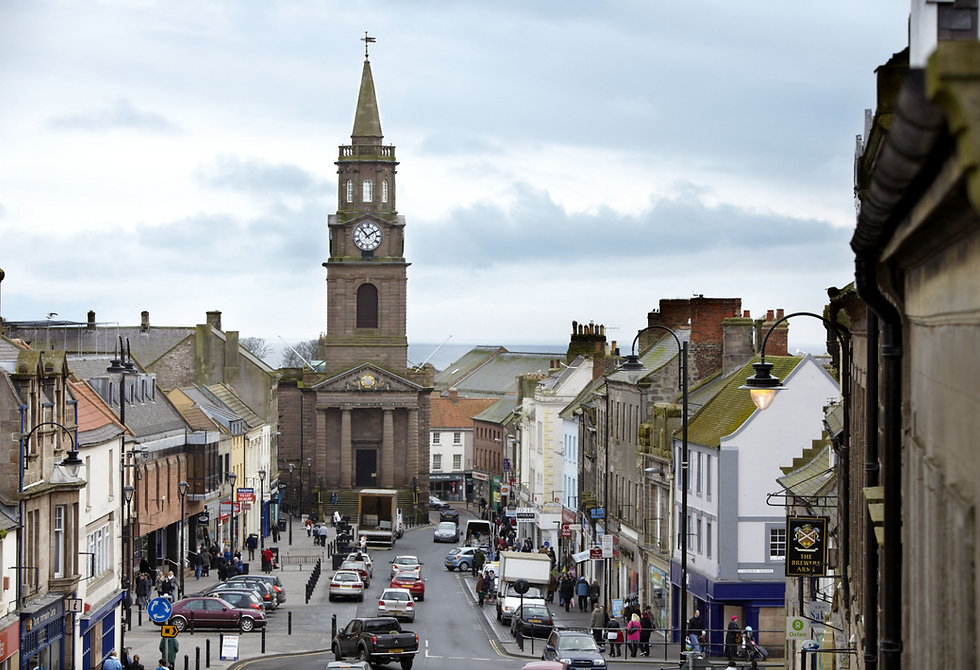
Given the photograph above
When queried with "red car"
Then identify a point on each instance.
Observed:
(412, 581)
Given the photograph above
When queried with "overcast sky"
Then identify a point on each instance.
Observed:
(560, 160)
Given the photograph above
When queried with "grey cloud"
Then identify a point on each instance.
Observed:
(257, 176)
(120, 114)
(443, 143)
(534, 227)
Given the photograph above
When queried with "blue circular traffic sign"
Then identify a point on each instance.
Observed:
(159, 609)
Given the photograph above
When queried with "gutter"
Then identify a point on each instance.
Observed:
(896, 181)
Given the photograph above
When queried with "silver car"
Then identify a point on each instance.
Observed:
(446, 531)
(346, 584)
(397, 603)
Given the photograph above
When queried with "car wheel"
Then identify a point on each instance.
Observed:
(246, 624)
(360, 598)
(362, 656)
(464, 566)
(179, 622)
(450, 568)
(337, 656)
(421, 597)
(407, 664)
(499, 615)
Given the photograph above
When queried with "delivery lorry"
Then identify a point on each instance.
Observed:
(377, 516)
(534, 568)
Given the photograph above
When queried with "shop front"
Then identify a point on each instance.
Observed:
(42, 633)
(447, 486)
(9, 642)
(97, 628)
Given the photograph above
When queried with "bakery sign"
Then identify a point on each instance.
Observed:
(806, 546)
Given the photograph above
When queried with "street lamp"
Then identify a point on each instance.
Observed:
(234, 540)
(309, 480)
(128, 492)
(182, 490)
(291, 466)
(634, 370)
(261, 508)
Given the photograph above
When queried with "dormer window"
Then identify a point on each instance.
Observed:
(367, 194)
(384, 191)
(350, 191)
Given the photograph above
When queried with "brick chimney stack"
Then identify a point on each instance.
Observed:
(587, 340)
(778, 343)
(454, 395)
(708, 317)
(738, 345)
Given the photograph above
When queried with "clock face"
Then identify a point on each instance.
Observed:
(367, 235)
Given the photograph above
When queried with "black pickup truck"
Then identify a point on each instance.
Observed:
(378, 640)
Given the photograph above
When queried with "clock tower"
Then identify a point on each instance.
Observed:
(366, 271)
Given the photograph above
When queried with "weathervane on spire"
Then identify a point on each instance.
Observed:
(367, 40)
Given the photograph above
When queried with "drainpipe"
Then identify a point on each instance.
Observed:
(891, 458)
(871, 479)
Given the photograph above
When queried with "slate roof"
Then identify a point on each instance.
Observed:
(230, 399)
(498, 411)
(730, 407)
(96, 422)
(498, 375)
(217, 412)
(655, 357)
(470, 361)
(444, 413)
(555, 381)
(150, 418)
(814, 476)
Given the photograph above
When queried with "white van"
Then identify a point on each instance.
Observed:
(478, 533)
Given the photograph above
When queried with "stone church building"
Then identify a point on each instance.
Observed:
(361, 420)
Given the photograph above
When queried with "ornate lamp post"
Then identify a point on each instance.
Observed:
(309, 479)
(291, 466)
(234, 540)
(634, 370)
(128, 492)
(261, 509)
(182, 490)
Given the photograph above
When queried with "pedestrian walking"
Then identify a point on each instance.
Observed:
(135, 663)
(566, 589)
(168, 651)
(731, 638)
(597, 622)
(582, 591)
(111, 663)
(633, 635)
(594, 592)
(695, 631)
(646, 630)
(479, 558)
(615, 636)
(251, 543)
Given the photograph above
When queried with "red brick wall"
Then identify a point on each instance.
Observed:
(708, 333)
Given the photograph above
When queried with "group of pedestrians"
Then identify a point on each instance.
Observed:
(635, 634)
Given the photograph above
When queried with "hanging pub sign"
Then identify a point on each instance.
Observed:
(806, 550)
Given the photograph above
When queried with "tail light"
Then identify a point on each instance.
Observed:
(278, 590)
(410, 605)
(254, 606)
(381, 603)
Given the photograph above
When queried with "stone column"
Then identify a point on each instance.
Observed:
(388, 450)
(346, 450)
(412, 468)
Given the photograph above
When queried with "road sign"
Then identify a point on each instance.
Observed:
(159, 609)
(797, 628)
(168, 631)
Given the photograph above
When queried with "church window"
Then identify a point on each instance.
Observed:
(350, 191)
(367, 194)
(384, 191)
(367, 306)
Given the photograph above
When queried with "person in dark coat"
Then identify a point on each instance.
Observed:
(646, 629)
(594, 592)
(566, 590)
(731, 636)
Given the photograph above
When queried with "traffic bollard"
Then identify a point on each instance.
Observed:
(139, 618)
(197, 658)
(207, 653)
(186, 662)
(263, 640)
(289, 622)
(333, 626)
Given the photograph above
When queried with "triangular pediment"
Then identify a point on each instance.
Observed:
(367, 378)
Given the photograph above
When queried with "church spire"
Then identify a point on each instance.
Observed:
(367, 123)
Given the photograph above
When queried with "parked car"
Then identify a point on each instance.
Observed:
(365, 558)
(405, 563)
(446, 531)
(243, 599)
(397, 602)
(532, 621)
(269, 600)
(346, 584)
(460, 558)
(573, 649)
(449, 515)
(410, 580)
(435, 503)
(272, 580)
(360, 567)
(212, 612)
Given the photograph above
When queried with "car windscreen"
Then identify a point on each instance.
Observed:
(448, 526)
(536, 612)
(395, 595)
(576, 643)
